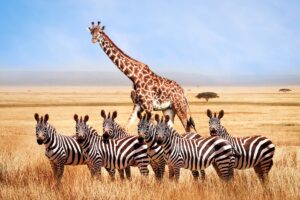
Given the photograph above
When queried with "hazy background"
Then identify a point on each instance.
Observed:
(193, 42)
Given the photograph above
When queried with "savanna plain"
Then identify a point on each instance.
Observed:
(25, 172)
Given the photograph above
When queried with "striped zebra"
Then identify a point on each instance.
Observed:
(112, 130)
(146, 130)
(61, 150)
(109, 153)
(193, 154)
(255, 151)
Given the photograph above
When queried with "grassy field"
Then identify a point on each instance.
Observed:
(25, 172)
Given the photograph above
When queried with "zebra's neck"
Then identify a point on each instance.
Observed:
(150, 139)
(226, 135)
(52, 139)
(171, 141)
(89, 141)
(119, 131)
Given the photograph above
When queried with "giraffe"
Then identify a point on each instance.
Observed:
(151, 92)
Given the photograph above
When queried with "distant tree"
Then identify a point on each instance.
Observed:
(284, 90)
(207, 95)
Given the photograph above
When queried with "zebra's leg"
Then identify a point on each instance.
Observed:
(128, 173)
(121, 172)
(171, 172)
(177, 173)
(216, 167)
(111, 173)
(58, 171)
(202, 172)
(95, 170)
(262, 170)
(195, 174)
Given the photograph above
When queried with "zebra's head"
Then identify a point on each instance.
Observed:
(215, 123)
(162, 129)
(41, 128)
(96, 32)
(144, 124)
(109, 124)
(81, 128)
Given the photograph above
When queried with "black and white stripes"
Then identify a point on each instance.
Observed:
(110, 153)
(193, 154)
(60, 149)
(255, 151)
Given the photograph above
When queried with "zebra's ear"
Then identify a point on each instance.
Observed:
(156, 118)
(86, 118)
(36, 117)
(114, 115)
(167, 118)
(209, 113)
(76, 118)
(103, 114)
(221, 114)
(46, 118)
(139, 114)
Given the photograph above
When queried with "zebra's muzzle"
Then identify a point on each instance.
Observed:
(159, 141)
(80, 139)
(213, 132)
(39, 141)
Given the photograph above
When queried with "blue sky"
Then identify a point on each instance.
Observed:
(231, 37)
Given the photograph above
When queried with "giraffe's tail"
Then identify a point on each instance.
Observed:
(190, 121)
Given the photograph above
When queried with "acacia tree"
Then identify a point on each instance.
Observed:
(207, 95)
(284, 90)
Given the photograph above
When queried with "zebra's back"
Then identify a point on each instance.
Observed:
(253, 150)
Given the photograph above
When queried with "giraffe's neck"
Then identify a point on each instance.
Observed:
(132, 68)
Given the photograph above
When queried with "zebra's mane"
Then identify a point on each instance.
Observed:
(121, 128)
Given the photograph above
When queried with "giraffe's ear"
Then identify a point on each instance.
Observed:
(46, 118)
(156, 118)
(86, 118)
(76, 118)
(221, 114)
(139, 115)
(103, 114)
(114, 115)
(167, 118)
(36, 117)
(209, 113)
(149, 114)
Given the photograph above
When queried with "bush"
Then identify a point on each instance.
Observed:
(207, 95)
(284, 90)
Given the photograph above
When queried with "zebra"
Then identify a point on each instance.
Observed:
(109, 153)
(193, 154)
(255, 151)
(112, 130)
(146, 130)
(61, 150)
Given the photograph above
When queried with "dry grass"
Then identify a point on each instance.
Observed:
(25, 172)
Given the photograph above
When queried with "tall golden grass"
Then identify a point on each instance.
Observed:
(25, 172)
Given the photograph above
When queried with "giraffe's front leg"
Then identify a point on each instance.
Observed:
(133, 115)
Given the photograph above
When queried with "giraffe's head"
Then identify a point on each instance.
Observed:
(96, 32)
(81, 128)
(109, 124)
(215, 123)
(41, 128)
